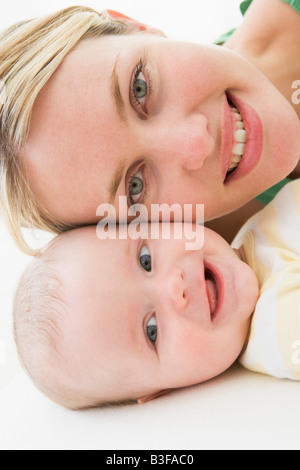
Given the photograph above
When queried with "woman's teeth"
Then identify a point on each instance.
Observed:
(240, 137)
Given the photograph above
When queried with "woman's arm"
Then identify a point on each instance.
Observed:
(269, 37)
(264, 23)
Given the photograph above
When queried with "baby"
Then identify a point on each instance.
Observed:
(102, 322)
(107, 321)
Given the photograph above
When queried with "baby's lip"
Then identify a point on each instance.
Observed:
(215, 290)
(211, 291)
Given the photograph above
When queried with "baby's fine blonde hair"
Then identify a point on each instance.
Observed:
(40, 320)
(30, 52)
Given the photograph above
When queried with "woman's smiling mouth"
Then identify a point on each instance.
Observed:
(240, 138)
(247, 141)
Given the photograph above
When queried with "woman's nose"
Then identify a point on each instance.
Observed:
(186, 141)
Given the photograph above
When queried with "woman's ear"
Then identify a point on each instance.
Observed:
(139, 26)
(143, 400)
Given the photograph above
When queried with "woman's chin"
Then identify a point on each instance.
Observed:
(284, 143)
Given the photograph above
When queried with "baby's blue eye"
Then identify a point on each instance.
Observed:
(145, 259)
(152, 329)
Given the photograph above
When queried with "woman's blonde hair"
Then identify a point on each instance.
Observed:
(30, 52)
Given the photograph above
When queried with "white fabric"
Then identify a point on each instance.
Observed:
(271, 240)
(238, 410)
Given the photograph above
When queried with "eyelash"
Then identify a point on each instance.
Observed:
(141, 247)
(153, 344)
(141, 67)
(145, 192)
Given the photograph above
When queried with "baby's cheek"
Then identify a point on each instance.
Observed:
(202, 354)
(218, 351)
(229, 346)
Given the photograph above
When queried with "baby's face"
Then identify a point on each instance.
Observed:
(147, 316)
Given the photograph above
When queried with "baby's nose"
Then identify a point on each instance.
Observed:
(176, 289)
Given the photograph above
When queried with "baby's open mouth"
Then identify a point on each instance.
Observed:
(212, 292)
(240, 138)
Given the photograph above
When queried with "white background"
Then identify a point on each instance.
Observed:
(195, 20)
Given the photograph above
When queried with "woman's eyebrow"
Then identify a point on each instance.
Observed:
(116, 93)
(116, 181)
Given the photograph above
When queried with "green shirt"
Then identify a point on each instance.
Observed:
(268, 195)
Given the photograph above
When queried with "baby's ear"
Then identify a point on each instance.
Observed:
(143, 400)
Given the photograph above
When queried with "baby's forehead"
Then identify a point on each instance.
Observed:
(85, 263)
(98, 295)
(83, 243)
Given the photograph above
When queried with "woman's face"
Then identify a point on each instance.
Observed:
(149, 118)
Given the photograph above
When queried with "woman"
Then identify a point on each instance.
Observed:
(98, 107)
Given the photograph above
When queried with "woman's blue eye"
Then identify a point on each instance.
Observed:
(140, 88)
(136, 188)
(145, 259)
(152, 329)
